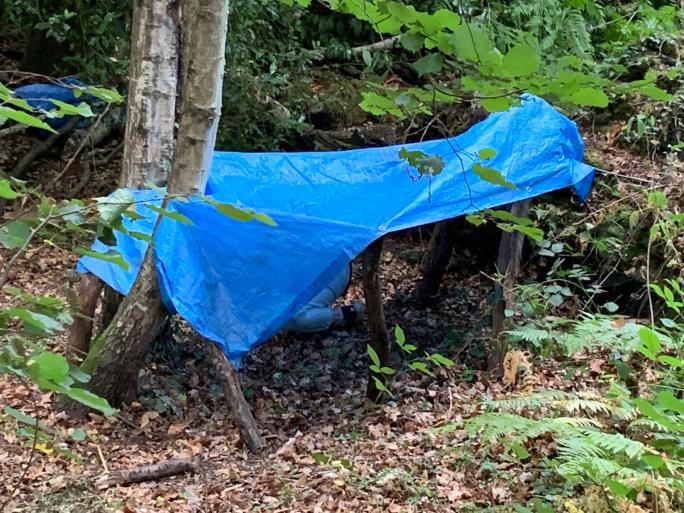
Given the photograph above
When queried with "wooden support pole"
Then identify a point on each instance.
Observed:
(437, 259)
(236, 400)
(508, 265)
(86, 291)
(372, 290)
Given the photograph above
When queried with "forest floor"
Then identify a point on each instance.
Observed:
(327, 450)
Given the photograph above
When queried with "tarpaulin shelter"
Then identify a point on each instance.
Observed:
(237, 283)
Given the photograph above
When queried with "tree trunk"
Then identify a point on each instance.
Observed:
(372, 290)
(152, 92)
(86, 294)
(437, 259)
(117, 355)
(508, 264)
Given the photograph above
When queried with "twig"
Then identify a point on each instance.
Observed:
(648, 275)
(151, 472)
(102, 458)
(31, 454)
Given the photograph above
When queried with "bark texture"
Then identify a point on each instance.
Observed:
(372, 290)
(508, 264)
(152, 92)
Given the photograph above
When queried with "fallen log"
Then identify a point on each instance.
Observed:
(150, 472)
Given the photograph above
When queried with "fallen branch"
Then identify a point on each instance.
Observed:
(151, 472)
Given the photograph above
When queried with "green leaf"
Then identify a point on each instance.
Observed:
(667, 400)
(111, 256)
(521, 60)
(671, 360)
(91, 400)
(41, 322)
(49, 366)
(107, 95)
(67, 109)
(425, 164)
(321, 458)
(23, 418)
(412, 41)
(618, 488)
(432, 63)
(240, 214)
(532, 232)
(78, 435)
(387, 370)
(25, 119)
(176, 216)
(611, 307)
(111, 208)
(542, 507)
(380, 385)
(492, 176)
(656, 93)
(497, 104)
(654, 461)
(520, 452)
(14, 234)
(651, 341)
(442, 360)
(6, 190)
(373, 355)
(590, 96)
(399, 334)
(422, 367)
(487, 153)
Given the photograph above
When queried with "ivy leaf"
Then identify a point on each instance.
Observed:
(522, 60)
(24, 118)
(112, 257)
(590, 96)
(492, 176)
(6, 190)
(14, 234)
(432, 63)
(487, 153)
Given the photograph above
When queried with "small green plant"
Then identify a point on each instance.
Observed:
(410, 362)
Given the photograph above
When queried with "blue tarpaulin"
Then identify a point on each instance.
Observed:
(237, 283)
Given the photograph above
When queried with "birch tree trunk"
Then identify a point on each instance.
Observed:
(116, 356)
(152, 91)
(149, 135)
